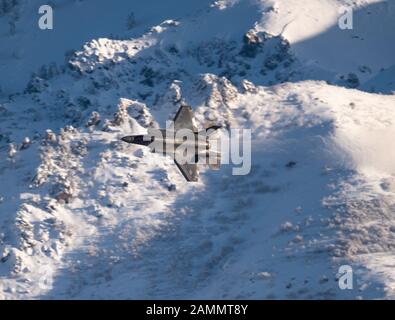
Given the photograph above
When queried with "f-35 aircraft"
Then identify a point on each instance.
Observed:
(168, 142)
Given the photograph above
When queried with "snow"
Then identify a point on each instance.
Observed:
(75, 22)
(84, 215)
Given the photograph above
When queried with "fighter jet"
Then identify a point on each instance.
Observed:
(168, 142)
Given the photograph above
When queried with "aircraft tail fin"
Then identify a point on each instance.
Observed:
(214, 160)
(211, 128)
(188, 170)
(183, 119)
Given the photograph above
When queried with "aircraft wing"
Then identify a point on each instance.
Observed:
(183, 119)
(188, 170)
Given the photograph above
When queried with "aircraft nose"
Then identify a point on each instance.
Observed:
(128, 139)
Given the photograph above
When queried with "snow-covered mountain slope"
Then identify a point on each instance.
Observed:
(84, 215)
(366, 50)
(75, 22)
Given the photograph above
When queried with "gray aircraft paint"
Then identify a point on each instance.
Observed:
(171, 141)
